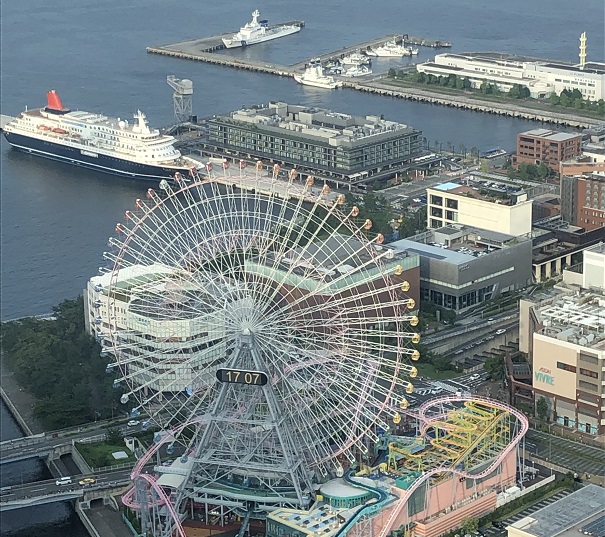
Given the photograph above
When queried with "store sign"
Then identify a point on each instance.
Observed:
(545, 376)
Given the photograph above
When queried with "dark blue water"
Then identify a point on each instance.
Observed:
(56, 219)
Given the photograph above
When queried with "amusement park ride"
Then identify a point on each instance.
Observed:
(266, 334)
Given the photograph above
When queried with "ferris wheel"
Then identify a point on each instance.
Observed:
(266, 327)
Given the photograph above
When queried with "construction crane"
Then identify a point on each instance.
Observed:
(182, 98)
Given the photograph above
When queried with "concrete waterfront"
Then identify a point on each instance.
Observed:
(204, 50)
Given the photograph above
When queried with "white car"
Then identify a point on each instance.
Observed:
(133, 423)
(500, 331)
(475, 376)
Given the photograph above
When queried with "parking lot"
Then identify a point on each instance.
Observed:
(497, 532)
(574, 456)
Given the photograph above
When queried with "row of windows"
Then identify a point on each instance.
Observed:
(566, 367)
(589, 373)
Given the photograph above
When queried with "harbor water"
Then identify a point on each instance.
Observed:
(56, 219)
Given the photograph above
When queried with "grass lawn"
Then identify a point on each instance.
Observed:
(99, 454)
(428, 371)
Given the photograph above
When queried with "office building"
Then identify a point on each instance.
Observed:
(544, 146)
(497, 209)
(565, 339)
(461, 266)
(316, 141)
(583, 199)
(541, 77)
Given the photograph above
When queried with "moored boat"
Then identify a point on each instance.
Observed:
(258, 31)
(98, 142)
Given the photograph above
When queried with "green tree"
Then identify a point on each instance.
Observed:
(60, 364)
(513, 92)
(554, 99)
(564, 100)
(469, 525)
(392, 73)
(578, 104)
(494, 367)
(601, 107)
(543, 171)
(524, 92)
(441, 363)
(467, 84)
(460, 83)
(542, 408)
(576, 94)
(114, 436)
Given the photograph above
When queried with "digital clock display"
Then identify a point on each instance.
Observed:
(242, 376)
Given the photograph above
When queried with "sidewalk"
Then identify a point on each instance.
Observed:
(22, 400)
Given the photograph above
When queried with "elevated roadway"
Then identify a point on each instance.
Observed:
(41, 492)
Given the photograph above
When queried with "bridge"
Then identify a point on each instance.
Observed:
(106, 485)
(54, 444)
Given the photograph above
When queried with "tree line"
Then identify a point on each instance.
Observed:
(568, 98)
(59, 363)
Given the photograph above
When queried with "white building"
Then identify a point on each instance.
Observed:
(540, 76)
(158, 326)
(452, 203)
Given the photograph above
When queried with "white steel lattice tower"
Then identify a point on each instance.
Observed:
(266, 334)
(182, 98)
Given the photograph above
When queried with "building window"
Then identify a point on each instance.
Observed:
(588, 386)
(589, 373)
(451, 215)
(566, 367)
(589, 359)
(436, 200)
(451, 204)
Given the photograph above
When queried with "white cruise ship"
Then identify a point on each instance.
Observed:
(390, 50)
(257, 32)
(110, 145)
(314, 76)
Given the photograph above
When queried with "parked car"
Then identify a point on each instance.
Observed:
(500, 331)
(133, 423)
(475, 376)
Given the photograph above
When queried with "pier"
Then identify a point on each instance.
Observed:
(204, 50)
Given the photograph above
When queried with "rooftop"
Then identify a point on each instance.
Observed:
(460, 244)
(559, 517)
(332, 127)
(578, 319)
(554, 136)
(493, 192)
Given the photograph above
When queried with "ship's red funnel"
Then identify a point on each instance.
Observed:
(53, 101)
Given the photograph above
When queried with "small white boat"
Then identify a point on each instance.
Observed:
(357, 70)
(257, 32)
(390, 50)
(355, 59)
(314, 76)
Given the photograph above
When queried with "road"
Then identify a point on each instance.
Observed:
(574, 456)
(48, 491)
(40, 445)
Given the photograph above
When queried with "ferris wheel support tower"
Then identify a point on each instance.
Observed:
(182, 98)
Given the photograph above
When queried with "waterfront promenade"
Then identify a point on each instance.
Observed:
(19, 402)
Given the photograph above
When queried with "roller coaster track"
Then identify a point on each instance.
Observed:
(383, 530)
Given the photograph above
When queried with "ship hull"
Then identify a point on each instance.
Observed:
(88, 158)
(235, 43)
(317, 84)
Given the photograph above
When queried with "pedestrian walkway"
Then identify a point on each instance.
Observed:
(22, 400)
(108, 522)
